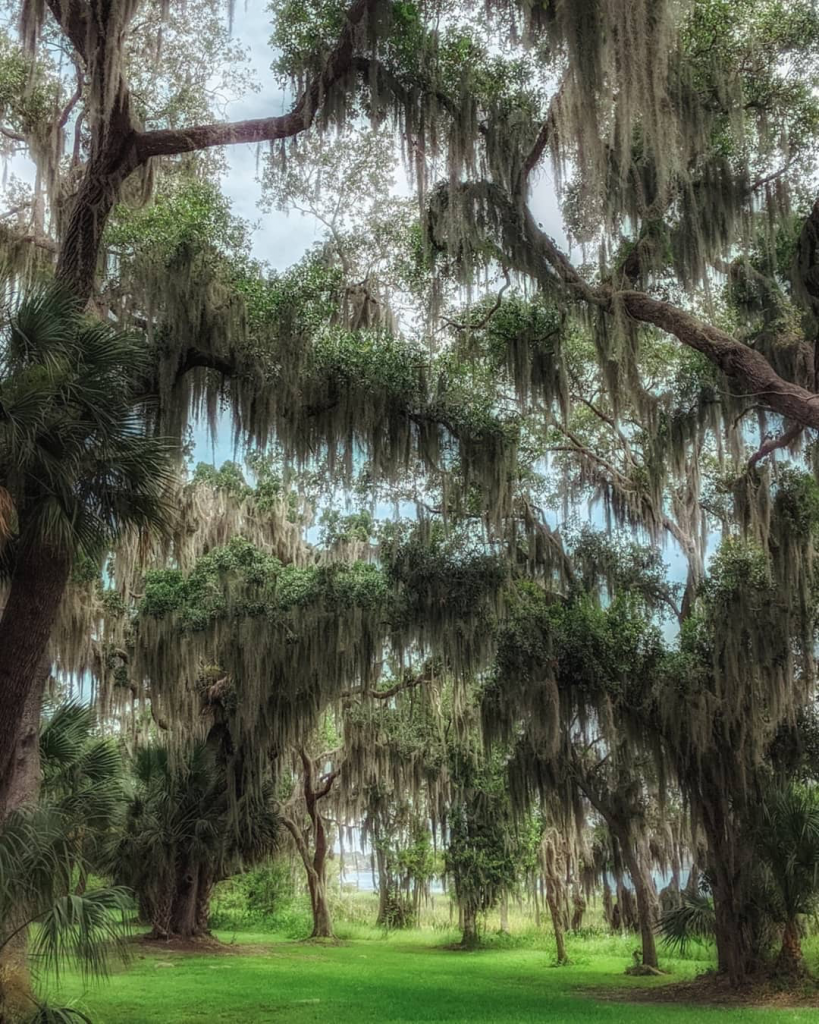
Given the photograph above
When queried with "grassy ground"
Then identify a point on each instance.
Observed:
(370, 977)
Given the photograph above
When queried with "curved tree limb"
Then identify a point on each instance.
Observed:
(534, 253)
(120, 146)
(786, 438)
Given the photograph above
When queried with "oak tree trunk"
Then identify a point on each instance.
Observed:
(469, 925)
(636, 862)
(557, 924)
(727, 869)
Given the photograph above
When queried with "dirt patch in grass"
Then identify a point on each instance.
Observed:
(207, 945)
(715, 990)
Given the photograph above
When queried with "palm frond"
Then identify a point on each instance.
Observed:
(47, 1014)
(692, 921)
(83, 931)
(76, 459)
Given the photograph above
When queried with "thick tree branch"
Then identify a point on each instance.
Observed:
(14, 136)
(405, 684)
(340, 63)
(536, 254)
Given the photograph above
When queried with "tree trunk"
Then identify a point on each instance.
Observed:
(22, 781)
(161, 904)
(383, 887)
(469, 938)
(203, 895)
(608, 905)
(36, 590)
(316, 864)
(579, 909)
(557, 923)
(732, 929)
(646, 898)
(504, 913)
(185, 903)
(790, 959)
(322, 920)
(21, 786)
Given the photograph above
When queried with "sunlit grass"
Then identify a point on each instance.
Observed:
(371, 976)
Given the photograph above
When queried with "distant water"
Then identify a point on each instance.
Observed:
(363, 881)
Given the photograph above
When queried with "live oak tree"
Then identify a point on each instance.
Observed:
(684, 134)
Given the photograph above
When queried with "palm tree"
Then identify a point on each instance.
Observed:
(77, 470)
(46, 854)
(82, 779)
(786, 834)
(785, 838)
(182, 833)
(38, 860)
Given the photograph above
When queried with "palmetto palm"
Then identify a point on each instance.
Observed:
(77, 469)
(46, 854)
(787, 836)
(182, 833)
(82, 780)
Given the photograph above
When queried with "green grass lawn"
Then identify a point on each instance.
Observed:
(400, 978)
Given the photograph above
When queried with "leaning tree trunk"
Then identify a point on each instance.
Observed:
(635, 858)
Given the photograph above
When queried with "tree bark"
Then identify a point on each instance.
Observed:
(190, 903)
(22, 781)
(383, 887)
(646, 899)
(119, 147)
(791, 960)
(469, 937)
(534, 253)
(203, 895)
(727, 866)
(37, 588)
(161, 905)
(315, 864)
(22, 787)
(557, 924)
